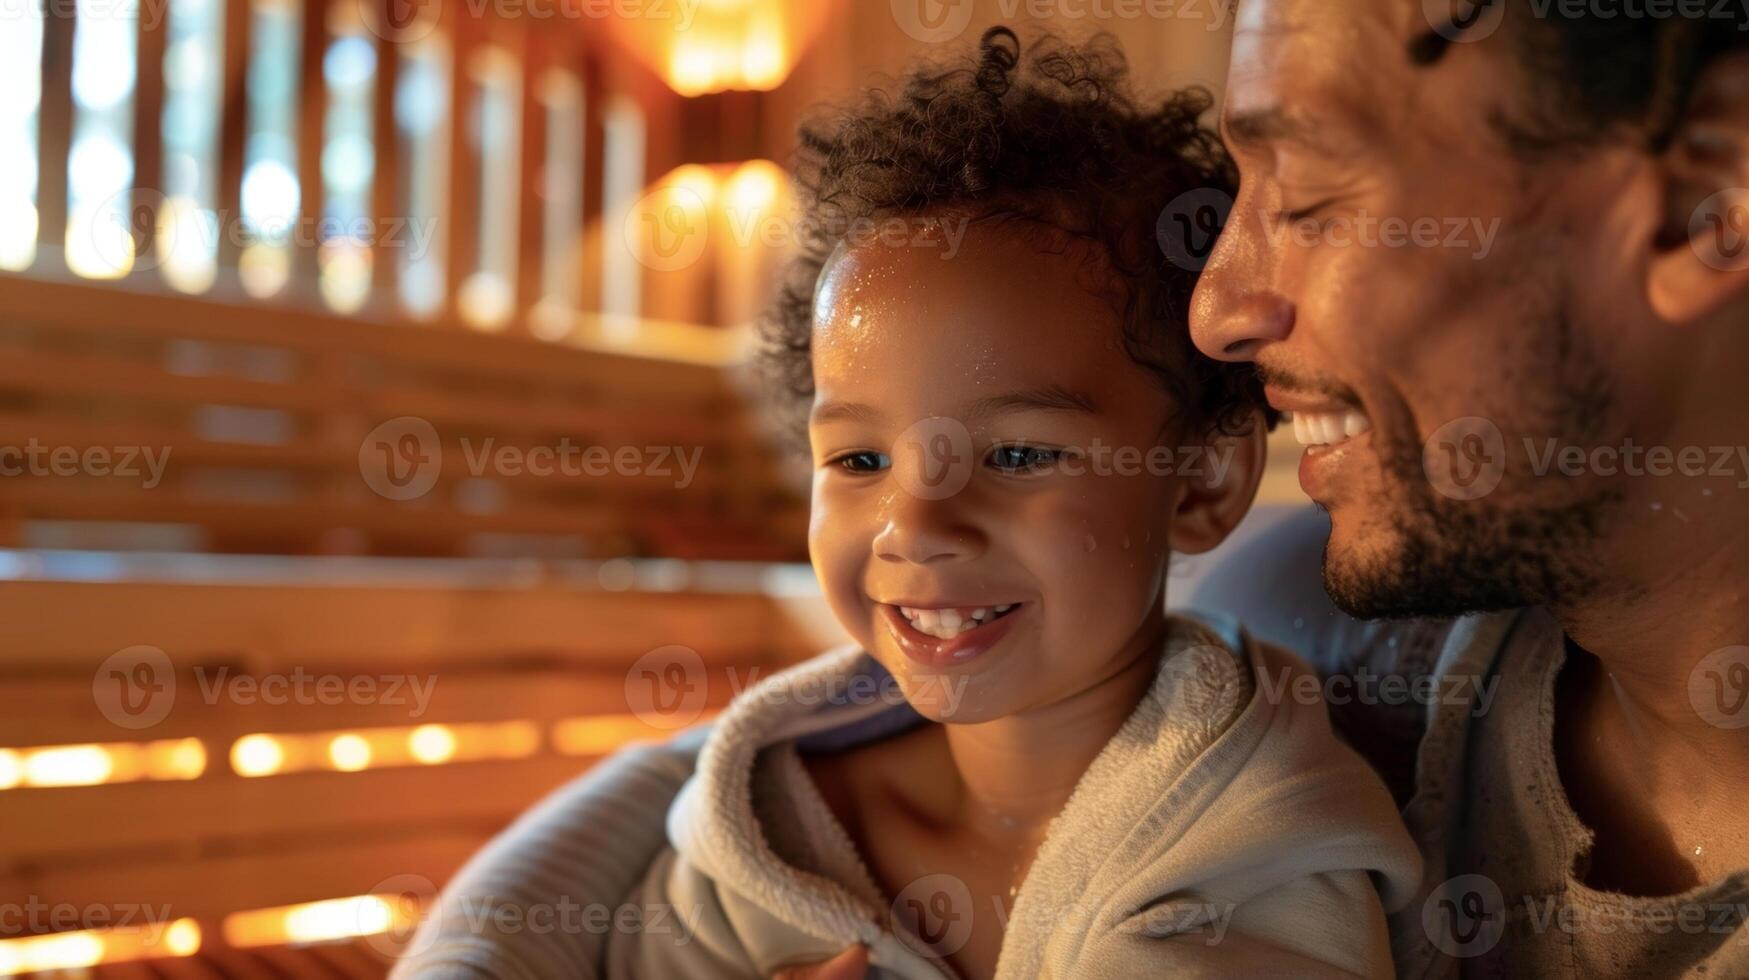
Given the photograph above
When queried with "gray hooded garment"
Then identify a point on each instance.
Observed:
(1224, 831)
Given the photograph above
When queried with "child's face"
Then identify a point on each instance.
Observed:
(936, 381)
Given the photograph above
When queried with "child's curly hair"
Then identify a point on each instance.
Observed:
(1053, 136)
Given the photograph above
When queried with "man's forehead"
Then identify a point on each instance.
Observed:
(1288, 20)
(1299, 64)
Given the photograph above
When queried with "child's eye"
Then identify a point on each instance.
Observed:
(862, 461)
(1020, 458)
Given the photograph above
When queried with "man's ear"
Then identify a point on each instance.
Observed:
(1704, 263)
(1218, 494)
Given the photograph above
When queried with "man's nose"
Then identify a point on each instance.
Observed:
(920, 530)
(1235, 313)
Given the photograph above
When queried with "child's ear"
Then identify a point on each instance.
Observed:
(1217, 495)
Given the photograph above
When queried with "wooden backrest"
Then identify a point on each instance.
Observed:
(288, 431)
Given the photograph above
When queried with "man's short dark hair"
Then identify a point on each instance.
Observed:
(1596, 73)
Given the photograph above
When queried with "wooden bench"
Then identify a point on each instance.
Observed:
(538, 650)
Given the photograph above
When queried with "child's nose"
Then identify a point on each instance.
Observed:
(920, 530)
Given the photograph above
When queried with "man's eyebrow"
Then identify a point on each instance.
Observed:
(1258, 128)
(1049, 398)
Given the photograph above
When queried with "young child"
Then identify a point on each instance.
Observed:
(1023, 767)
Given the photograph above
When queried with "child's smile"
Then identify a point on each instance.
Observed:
(941, 635)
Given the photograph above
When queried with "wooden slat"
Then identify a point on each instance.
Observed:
(54, 127)
(461, 217)
(53, 500)
(534, 54)
(233, 129)
(183, 451)
(74, 827)
(387, 186)
(122, 311)
(92, 376)
(148, 140)
(312, 109)
(53, 624)
(210, 887)
(210, 703)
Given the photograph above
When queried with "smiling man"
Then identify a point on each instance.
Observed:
(1590, 821)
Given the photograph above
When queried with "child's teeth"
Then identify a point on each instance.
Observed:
(945, 624)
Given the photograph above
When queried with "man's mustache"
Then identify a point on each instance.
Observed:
(1276, 376)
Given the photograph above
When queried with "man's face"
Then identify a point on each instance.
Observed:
(1394, 269)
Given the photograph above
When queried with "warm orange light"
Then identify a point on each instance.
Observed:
(68, 765)
(182, 938)
(432, 744)
(729, 44)
(602, 734)
(763, 60)
(349, 753)
(179, 759)
(257, 755)
(316, 922)
(695, 65)
(755, 186)
(92, 947)
(96, 764)
(381, 748)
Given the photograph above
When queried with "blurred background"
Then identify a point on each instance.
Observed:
(375, 449)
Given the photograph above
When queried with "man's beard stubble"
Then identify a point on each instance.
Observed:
(1529, 542)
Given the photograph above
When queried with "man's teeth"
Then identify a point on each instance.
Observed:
(945, 624)
(1328, 428)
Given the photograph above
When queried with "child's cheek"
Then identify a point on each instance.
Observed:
(1094, 545)
(839, 548)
